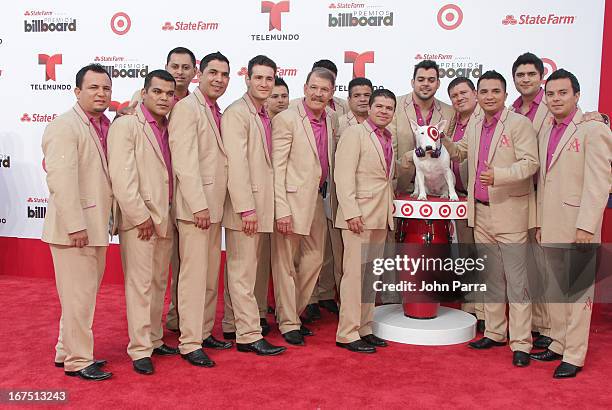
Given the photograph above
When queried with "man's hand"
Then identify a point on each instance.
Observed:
(79, 239)
(285, 225)
(355, 225)
(145, 230)
(583, 237)
(202, 219)
(592, 116)
(129, 110)
(538, 235)
(487, 178)
(249, 224)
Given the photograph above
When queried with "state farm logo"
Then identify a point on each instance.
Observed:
(280, 72)
(528, 19)
(549, 67)
(50, 63)
(450, 17)
(122, 67)
(116, 106)
(275, 12)
(120, 23)
(346, 6)
(50, 22)
(433, 56)
(100, 59)
(5, 161)
(189, 26)
(361, 15)
(359, 60)
(37, 118)
(36, 208)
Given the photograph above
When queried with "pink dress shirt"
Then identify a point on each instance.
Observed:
(319, 129)
(386, 141)
(555, 136)
(420, 116)
(101, 126)
(216, 111)
(161, 135)
(459, 133)
(534, 105)
(481, 192)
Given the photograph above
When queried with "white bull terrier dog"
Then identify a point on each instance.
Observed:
(434, 175)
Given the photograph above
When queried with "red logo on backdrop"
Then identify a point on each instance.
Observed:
(275, 10)
(332, 6)
(117, 105)
(120, 23)
(243, 71)
(196, 79)
(25, 118)
(50, 62)
(450, 17)
(281, 72)
(509, 20)
(549, 67)
(359, 61)
(167, 26)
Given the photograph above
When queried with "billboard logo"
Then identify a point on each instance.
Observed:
(359, 61)
(275, 10)
(5, 161)
(120, 23)
(37, 212)
(450, 17)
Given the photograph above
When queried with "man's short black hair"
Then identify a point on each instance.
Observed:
(492, 75)
(279, 82)
(357, 81)
(326, 64)
(460, 80)
(96, 68)
(260, 60)
(427, 65)
(562, 73)
(161, 74)
(182, 50)
(210, 57)
(322, 73)
(528, 58)
(382, 92)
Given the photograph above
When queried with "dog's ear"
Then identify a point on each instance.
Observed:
(415, 126)
(440, 126)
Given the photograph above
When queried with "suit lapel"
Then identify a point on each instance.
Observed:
(377, 145)
(308, 128)
(409, 110)
(540, 116)
(149, 133)
(262, 131)
(94, 134)
(437, 113)
(499, 130)
(567, 135)
(543, 147)
(476, 145)
(211, 118)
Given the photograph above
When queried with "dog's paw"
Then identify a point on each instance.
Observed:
(454, 197)
(422, 197)
(444, 196)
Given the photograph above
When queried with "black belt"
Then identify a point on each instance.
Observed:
(485, 203)
(323, 189)
(461, 192)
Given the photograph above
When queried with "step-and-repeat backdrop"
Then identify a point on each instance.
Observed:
(44, 43)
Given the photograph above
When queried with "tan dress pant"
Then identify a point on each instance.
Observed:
(78, 273)
(293, 287)
(465, 236)
(506, 279)
(145, 267)
(537, 270)
(355, 316)
(331, 272)
(172, 316)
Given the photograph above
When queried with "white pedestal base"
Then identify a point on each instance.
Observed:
(451, 327)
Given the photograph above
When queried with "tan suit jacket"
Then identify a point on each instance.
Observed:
(251, 180)
(297, 167)
(362, 185)
(463, 167)
(80, 195)
(514, 158)
(542, 118)
(346, 121)
(201, 179)
(573, 192)
(138, 173)
(403, 137)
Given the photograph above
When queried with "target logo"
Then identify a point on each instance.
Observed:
(445, 211)
(433, 133)
(406, 210)
(426, 210)
(461, 211)
(120, 23)
(549, 67)
(450, 17)
(393, 211)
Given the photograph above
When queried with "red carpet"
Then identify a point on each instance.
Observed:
(319, 375)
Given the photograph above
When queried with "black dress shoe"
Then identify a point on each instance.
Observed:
(480, 326)
(485, 343)
(312, 313)
(304, 331)
(542, 342)
(265, 327)
(143, 366)
(165, 350)
(99, 363)
(217, 344)
(91, 372)
(565, 370)
(374, 340)
(546, 356)
(330, 305)
(172, 329)
(198, 358)
(358, 346)
(229, 335)
(294, 337)
(520, 359)
(535, 333)
(261, 347)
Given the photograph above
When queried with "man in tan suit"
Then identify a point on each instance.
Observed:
(249, 207)
(365, 165)
(141, 174)
(77, 219)
(200, 164)
(502, 156)
(422, 107)
(575, 179)
(302, 141)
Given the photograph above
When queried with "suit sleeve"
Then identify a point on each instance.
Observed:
(526, 151)
(123, 171)
(235, 130)
(282, 138)
(136, 98)
(183, 141)
(458, 151)
(597, 178)
(347, 160)
(60, 149)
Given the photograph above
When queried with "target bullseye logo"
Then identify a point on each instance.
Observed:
(445, 211)
(433, 133)
(549, 67)
(450, 17)
(393, 212)
(406, 209)
(461, 210)
(120, 23)
(426, 210)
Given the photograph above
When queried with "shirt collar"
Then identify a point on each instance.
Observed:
(213, 105)
(537, 100)
(310, 115)
(149, 117)
(494, 120)
(103, 118)
(566, 121)
(384, 133)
